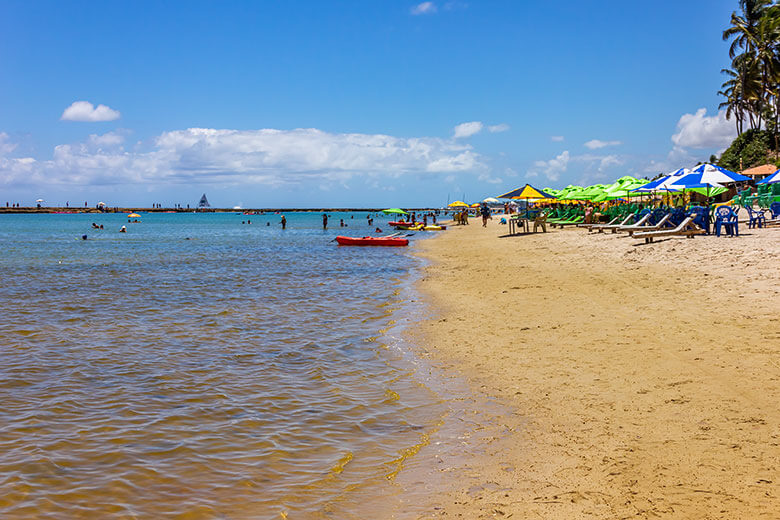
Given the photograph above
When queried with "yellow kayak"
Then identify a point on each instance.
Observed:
(433, 228)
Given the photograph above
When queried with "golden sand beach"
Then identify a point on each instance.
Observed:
(639, 381)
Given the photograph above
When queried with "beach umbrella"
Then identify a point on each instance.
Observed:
(664, 183)
(38, 200)
(134, 215)
(527, 192)
(715, 174)
(775, 177)
(457, 204)
(492, 200)
(397, 211)
(695, 182)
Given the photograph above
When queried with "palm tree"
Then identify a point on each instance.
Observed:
(755, 33)
(743, 28)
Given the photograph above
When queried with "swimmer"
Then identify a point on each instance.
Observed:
(377, 230)
(284, 222)
(123, 229)
(83, 237)
(267, 223)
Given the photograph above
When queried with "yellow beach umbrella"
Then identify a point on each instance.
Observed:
(457, 204)
(475, 205)
(527, 192)
(134, 215)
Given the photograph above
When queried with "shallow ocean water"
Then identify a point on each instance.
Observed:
(198, 367)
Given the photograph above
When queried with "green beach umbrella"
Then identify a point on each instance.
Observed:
(397, 211)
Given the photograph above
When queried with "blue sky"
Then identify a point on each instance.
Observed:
(351, 103)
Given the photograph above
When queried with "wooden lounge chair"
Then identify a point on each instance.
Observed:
(686, 228)
(592, 225)
(652, 227)
(625, 222)
(641, 222)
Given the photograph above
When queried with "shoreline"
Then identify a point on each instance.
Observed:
(635, 380)
(75, 210)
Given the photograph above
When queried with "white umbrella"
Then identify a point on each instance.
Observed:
(38, 200)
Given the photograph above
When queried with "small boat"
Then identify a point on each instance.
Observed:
(372, 241)
(434, 228)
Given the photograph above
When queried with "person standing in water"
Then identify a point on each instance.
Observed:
(324, 221)
(284, 222)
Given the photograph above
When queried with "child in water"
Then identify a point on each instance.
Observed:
(284, 222)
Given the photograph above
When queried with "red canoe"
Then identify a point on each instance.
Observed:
(371, 241)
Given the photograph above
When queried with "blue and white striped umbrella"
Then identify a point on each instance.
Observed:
(775, 177)
(694, 180)
(715, 174)
(664, 183)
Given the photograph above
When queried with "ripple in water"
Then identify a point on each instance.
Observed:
(236, 374)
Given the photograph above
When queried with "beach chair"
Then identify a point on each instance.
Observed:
(651, 227)
(625, 222)
(775, 208)
(644, 218)
(687, 229)
(589, 227)
(701, 217)
(726, 217)
(572, 222)
(757, 218)
(541, 221)
(566, 215)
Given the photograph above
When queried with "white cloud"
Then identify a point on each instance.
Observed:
(467, 129)
(700, 131)
(494, 129)
(556, 138)
(509, 172)
(86, 111)
(553, 168)
(6, 146)
(485, 177)
(107, 140)
(424, 8)
(595, 144)
(268, 157)
(609, 160)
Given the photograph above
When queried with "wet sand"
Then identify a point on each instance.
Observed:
(636, 381)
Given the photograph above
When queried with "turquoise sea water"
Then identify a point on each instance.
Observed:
(198, 367)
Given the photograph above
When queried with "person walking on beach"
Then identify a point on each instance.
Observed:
(485, 211)
(324, 221)
(284, 222)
